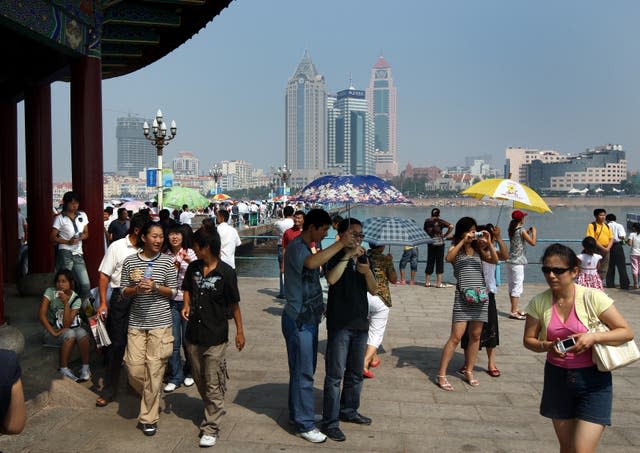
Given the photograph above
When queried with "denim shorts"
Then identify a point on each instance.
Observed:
(581, 393)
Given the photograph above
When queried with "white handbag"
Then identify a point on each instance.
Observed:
(607, 357)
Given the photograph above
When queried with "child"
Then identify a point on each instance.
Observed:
(589, 260)
(634, 256)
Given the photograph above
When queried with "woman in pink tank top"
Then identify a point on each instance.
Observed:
(575, 395)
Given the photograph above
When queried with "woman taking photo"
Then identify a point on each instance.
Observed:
(149, 279)
(576, 396)
(467, 256)
(518, 236)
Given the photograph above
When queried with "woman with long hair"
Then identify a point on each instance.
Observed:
(518, 236)
(149, 279)
(576, 395)
(470, 304)
(178, 249)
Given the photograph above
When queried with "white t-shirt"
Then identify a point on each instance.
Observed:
(635, 243)
(186, 216)
(66, 230)
(282, 226)
(111, 264)
(229, 240)
(589, 263)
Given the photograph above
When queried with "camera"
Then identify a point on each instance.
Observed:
(363, 259)
(478, 235)
(566, 344)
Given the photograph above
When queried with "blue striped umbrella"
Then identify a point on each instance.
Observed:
(394, 231)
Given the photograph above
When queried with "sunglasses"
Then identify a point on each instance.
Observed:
(555, 270)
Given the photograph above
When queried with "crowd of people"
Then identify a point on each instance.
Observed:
(166, 295)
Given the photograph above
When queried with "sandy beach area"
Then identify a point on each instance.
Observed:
(553, 202)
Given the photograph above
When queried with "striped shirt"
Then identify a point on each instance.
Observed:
(150, 310)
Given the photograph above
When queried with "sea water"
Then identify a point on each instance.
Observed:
(565, 224)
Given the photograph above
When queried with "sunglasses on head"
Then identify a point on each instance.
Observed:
(555, 270)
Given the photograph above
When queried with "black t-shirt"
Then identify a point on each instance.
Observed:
(211, 296)
(347, 307)
(10, 372)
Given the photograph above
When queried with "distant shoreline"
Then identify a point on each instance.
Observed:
(552, 202)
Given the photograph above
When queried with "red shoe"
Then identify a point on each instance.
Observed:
(368, 374)
(375, 363)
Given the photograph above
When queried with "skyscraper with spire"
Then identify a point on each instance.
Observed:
(381, 96)
(306, 122)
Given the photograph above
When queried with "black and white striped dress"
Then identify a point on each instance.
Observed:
(468, 272)
(150, 310)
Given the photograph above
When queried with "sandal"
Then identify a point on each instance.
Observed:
(470, 379)
(516, 315)
(102, 401)
(445, 385)
(493, 372)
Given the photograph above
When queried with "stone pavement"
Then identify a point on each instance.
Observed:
(410, 413)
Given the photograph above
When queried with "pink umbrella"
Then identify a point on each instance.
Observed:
(134, 205)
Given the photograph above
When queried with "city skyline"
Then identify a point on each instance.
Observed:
(473, 79)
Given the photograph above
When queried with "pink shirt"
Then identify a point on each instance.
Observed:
(562, 330)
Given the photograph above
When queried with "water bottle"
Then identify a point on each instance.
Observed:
(148, 272)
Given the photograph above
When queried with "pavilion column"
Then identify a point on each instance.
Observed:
(37, 112)
(9, 193)
(86, 154)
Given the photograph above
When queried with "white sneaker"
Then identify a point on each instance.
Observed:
(66, 372)
(85, 375)
(188, 382)
(170, 387)
(207, 440)
(314, 436)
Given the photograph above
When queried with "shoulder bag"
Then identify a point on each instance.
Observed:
(607, 357)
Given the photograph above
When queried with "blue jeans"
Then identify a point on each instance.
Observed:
(176, 372)
(344, 358)
(302, 352)
(75, 263)
(281, 293)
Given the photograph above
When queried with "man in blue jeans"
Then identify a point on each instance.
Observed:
(301, 316)
(349, 277)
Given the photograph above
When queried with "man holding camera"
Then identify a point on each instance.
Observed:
(349, 277)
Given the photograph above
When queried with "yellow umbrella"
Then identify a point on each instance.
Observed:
(521, 196)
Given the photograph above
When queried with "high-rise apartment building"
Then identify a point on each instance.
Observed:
(381, 96)
(135, 152)
(186, 164)
(517, 159)
(305, 122)
(351, 133)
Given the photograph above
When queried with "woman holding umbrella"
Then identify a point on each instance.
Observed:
(518, 236)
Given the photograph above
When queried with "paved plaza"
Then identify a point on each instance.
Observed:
(410, 413)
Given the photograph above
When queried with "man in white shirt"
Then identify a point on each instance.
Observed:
(282, 226)
(616, 255)
(116, 312)
(186, 215)
(229, 238)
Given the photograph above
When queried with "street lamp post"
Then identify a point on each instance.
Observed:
(216, 173)
(160, 139)
(284, 174)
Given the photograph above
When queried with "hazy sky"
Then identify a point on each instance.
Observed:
(473, 77)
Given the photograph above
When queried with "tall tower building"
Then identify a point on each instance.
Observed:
(351, 134)
(135, 153)
(305, 122)
(381, 95)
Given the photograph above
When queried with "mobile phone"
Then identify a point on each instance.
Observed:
(566, 344)
(363, 259)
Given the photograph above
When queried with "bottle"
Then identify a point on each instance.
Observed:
(148, 272)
